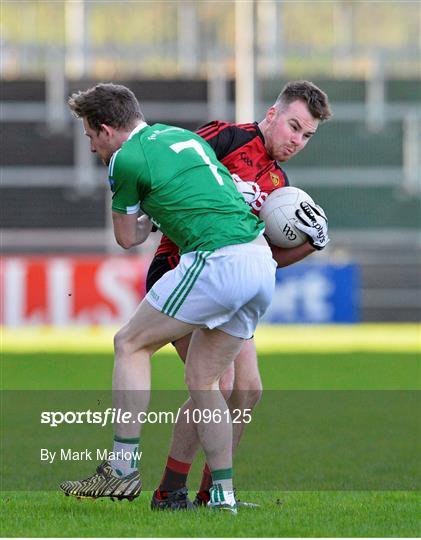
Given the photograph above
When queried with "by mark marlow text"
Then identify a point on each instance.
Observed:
(100, 454)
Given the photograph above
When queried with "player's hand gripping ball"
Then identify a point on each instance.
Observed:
(313, 222)
(283, 225)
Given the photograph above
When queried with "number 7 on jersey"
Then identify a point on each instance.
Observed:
(191, 143)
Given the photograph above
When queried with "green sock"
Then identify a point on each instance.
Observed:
(223, 477)
(126, 455)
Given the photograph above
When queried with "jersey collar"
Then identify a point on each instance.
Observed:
(138, 128)
(259, 133)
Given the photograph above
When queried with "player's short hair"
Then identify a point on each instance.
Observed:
(107, 103)
(316, 100)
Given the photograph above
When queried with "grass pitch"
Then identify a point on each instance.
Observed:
(292, 514)
(282, 512)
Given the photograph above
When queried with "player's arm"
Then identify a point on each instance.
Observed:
(287, 256)
(131, 230)
(130, 182)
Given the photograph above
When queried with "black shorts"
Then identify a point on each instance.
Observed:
(160, 265)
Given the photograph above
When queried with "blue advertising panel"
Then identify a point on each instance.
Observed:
(315, 293)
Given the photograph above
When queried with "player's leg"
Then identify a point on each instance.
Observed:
(203, 372)
(241, 388)
(209, 409)
(185, 441)
(226, 382)
(242, 399)
(181, 346)
(185, 444)
(247, 389)
(147, 331)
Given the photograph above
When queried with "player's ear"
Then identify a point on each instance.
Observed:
(270, 114)
(107, 130)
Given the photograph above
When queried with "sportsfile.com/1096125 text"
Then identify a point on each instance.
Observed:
(118, 416)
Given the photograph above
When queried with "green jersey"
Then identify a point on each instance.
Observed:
(173, 175)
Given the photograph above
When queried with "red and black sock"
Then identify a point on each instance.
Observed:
(205, 484)
(175, 476)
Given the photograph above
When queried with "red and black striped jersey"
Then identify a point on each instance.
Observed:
(241, 148)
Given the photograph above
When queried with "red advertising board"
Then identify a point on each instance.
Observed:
(71, 290)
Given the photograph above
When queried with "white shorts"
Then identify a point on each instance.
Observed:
(228, 289)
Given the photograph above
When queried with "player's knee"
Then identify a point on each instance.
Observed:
(196, 381)
(123, 345)
(192, 381)
(226, 384)
(119, 343)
